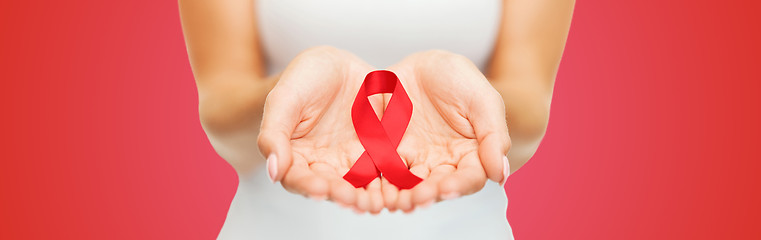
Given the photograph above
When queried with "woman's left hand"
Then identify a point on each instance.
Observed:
(457, 137)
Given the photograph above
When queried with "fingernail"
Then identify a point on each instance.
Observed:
(426, 204)
(449, 196)
(272, 167)
(505, 170)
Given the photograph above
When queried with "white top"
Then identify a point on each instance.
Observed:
(381, 33)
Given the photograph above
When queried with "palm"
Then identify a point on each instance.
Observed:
(437, 136)
(441, 145)
(316, 93)
(457, 122)
(325, 144)
(324, 137)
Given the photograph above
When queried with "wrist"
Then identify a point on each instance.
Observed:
(527, 108)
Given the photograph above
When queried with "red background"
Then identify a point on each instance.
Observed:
(653, 133)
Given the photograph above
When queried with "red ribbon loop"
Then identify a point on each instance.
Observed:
(381, 138)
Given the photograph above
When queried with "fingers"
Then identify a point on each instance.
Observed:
(492, 150)
(442, 183)
(370, 198)
(281, 116)
(367, 199)
(341, 192)
(300, 179)
(427, 192)
(276, 146)
(487, 116)
(363, 201)
(469, 178)
(375, 196)
(390, 194)
(405, 200)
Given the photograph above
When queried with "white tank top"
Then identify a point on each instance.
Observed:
(381, 33)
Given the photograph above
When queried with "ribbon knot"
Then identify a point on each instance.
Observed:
(380, 138)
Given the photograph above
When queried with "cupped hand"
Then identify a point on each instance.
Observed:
(457, 137)
(307, 134)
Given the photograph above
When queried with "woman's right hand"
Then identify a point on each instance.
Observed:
(307, 134)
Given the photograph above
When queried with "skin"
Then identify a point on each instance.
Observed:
(300, 118)
(307, 127)
(457, 135)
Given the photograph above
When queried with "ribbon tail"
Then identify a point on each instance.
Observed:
(363, 172)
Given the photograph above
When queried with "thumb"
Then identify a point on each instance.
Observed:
(487, 116)
(280, 118)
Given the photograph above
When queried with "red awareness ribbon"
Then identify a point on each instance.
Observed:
(381, 138)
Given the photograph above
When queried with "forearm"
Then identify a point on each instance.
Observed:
(527, 105)
(230, 112)
(524, 65)
(223, 49)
